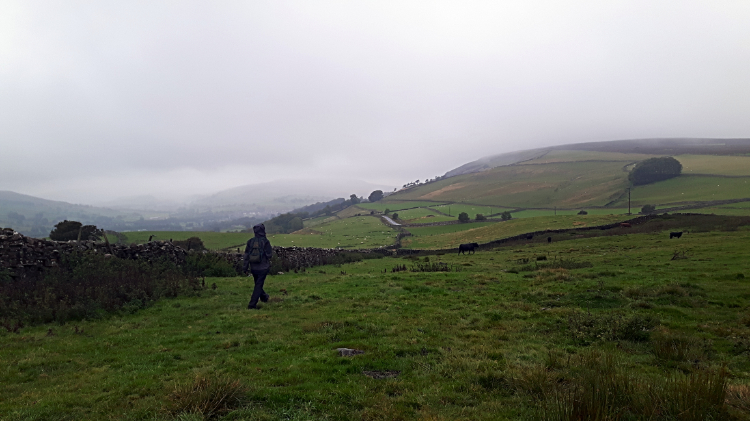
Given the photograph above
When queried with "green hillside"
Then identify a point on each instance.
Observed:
(542, 189)
(36, 217)
(579, 179)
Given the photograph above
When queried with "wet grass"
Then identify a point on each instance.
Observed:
(493, 341)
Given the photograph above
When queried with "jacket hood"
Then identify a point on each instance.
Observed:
(259, 230)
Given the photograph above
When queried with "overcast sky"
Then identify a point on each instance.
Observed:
(100, 99)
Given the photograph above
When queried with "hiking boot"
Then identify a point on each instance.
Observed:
(249, 307)
(265, 298)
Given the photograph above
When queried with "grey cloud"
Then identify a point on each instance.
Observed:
(167, 98)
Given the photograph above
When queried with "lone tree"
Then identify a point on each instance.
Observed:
(647, 209)
(375, 196)
(655, 169)
(463, 217)
(354, 199)
(68, 230)
(481, 217)
(505, 216)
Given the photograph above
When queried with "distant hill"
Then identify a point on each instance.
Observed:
(496, 161)
(286, 195)
(35, 216)
(594, 175)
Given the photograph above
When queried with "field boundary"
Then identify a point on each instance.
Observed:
(529, 236)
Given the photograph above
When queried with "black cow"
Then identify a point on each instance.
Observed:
(470, 247)
(675, 235)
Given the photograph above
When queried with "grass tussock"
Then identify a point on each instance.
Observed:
(206, 397)
(738, 397)
(672, 347)
(553, 275)
(601, 389)
(590, 327)
(556, 264)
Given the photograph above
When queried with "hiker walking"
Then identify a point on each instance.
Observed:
(258, 256)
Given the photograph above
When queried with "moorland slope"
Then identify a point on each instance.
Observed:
(594, 175)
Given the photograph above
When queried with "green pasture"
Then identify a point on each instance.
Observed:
(498, 230)
(423, 215)
(355, 232)
(501, 339)
(688, 189)
(384, 204)
(471, 210)
(715, 164)
(212, 240)
(738, 205)
(353, 211)
(564, 184)
(445, 229)
(530, 213)
(318, 220)
(580, 179)
(720, 210)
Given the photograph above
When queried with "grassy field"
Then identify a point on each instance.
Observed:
(446, 229)
(498, 230)
(395, 205)
(688, 189)
(499, 340)
(331, 232)
(715, 164)
(472, 210)
(319, 220)
(566, 184)
(530, 213)
(355, 232)
(423, 215)
(722, 210)
(580, 179)
(212, 240)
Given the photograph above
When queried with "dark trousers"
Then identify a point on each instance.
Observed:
(258, 293)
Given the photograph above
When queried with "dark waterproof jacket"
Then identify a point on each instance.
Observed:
(265, 260)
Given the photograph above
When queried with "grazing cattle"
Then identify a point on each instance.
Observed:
(675, 235)
(470, 247)
(549, 239)
(624, 225)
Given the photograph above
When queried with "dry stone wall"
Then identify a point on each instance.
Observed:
(24, 255)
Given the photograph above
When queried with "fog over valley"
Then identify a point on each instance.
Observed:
(159, 106)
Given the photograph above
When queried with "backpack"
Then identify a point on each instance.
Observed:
(256, 251)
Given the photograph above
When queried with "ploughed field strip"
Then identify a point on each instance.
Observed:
(661, 326)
